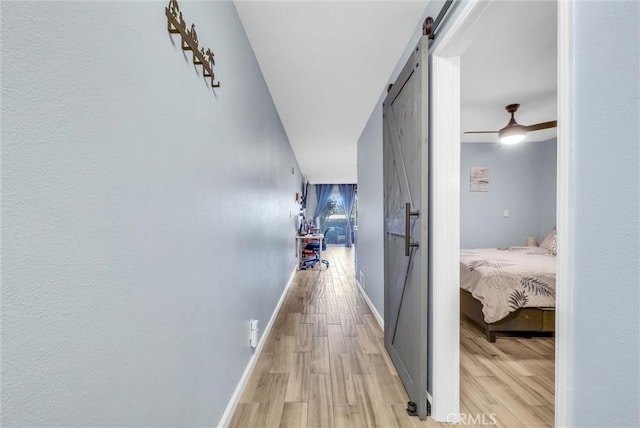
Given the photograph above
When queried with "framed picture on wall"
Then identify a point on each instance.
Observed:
(479, 179)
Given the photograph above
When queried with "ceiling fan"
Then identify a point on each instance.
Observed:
(514, 133)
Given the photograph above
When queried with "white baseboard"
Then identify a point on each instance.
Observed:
(370, 304)
(235, 398)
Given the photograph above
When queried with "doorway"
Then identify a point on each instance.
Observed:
(448, 49)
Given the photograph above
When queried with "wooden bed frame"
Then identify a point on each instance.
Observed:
(524, 320)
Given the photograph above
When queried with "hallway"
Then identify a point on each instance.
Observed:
(324, 365)
(324, 362)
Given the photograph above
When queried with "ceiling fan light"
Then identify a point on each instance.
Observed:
(512, 134)
(512, 139)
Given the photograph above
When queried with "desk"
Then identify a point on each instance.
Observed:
(303, 240)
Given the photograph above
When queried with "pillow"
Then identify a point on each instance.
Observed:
(546, 242)
(553, 247)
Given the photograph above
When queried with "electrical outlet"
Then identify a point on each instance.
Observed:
(253, 333)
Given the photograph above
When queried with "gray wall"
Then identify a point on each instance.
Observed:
(605, 306)
(312, 200)
(145, 218)
(547, 182)
(522, 179)
(370, 240)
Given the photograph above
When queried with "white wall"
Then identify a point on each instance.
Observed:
(606, 314)
(145, 218)
(522, 179)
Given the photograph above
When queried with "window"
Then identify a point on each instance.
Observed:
(333, 220)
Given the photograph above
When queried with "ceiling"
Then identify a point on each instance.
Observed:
(326, 63)
(511, 60)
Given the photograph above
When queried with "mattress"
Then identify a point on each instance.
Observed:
(507, 279)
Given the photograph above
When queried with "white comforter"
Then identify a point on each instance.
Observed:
(507, 279)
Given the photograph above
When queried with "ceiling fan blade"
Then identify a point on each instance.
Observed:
(481, 132)
(542, 125)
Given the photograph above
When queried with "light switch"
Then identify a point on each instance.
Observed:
(506, 213)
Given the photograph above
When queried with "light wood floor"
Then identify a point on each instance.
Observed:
(324, 365)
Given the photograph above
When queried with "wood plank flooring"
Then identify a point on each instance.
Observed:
(510, 381)
(324, 365)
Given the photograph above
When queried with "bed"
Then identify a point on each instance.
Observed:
(509, 289)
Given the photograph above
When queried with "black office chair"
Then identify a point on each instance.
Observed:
(311, 255)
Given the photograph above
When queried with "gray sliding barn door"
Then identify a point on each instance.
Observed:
(406, 248)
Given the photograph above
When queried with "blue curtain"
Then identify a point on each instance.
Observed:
(323, 192)
(348, 194)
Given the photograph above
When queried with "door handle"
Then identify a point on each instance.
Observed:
(407, 228)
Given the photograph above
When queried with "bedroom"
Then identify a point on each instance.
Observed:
(508, 200)
(517, 207)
